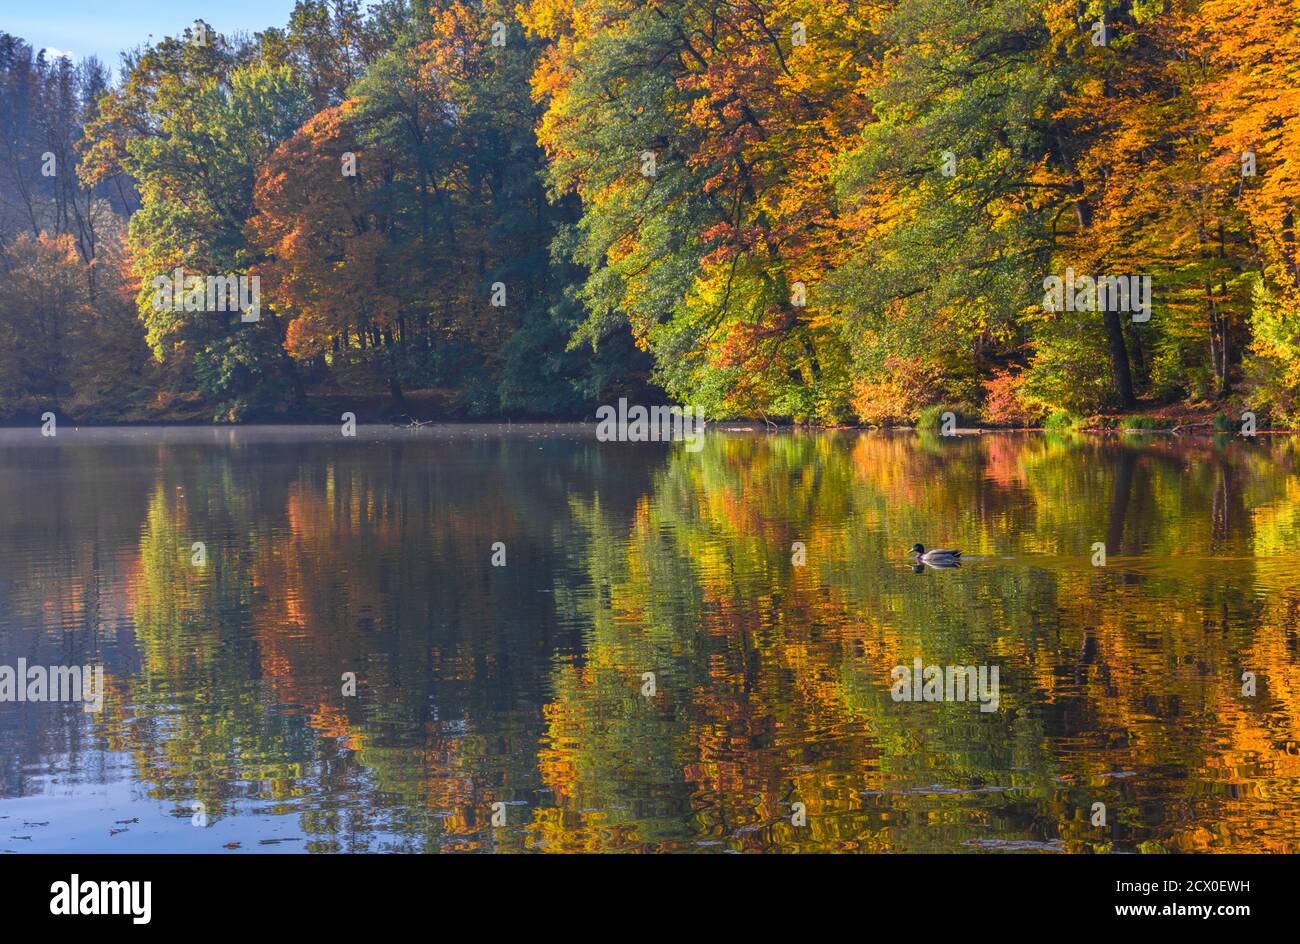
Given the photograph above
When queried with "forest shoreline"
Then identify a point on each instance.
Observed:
(831, 221)
(428, 406)
(1100, 425)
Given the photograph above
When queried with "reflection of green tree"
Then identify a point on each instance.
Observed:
(624, 750)
(203, 727)
(1088, 656)
(348, 564)
(773, 680)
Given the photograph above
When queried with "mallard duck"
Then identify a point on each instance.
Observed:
(940, 556)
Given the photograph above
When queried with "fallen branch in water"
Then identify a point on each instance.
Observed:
(1191, 425)
(412, 422)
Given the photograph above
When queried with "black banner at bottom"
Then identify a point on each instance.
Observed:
(304, 893)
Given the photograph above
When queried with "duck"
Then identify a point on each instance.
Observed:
(943, 557)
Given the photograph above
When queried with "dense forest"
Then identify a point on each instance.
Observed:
(829, 212)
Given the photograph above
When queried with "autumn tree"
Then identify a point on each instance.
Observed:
(700, 139)
(191, 127)
(406, 232)
(1250, 100)
(63, 346)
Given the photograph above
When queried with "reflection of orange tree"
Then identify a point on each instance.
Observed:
(1134, 663)
(745, 648)
(241, 678)
(774, 680)
(365, 577)
(1260, 761)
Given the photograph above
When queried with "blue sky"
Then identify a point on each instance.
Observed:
(104, 28)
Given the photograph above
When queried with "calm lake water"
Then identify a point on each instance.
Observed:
(225, 726)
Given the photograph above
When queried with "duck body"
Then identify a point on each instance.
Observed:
(937, 556)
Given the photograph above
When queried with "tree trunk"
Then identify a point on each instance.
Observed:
(1119, 359)
(287, 363)
(1119, 362)
(399, 399)
(1291, 256)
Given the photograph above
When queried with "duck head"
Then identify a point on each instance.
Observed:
(918, 549)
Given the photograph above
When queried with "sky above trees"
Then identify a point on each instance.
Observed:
(85, 28)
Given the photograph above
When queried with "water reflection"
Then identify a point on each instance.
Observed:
(631, 565)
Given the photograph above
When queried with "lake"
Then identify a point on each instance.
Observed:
(500, 639)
